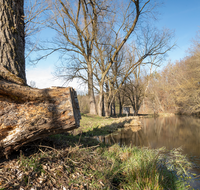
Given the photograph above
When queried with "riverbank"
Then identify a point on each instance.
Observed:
(78, 161)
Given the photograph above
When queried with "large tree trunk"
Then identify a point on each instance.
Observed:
(100, 103)
(106, 106)
(113, 108)
(106, 101)
(27, 114)
(120, 105)
(93, 110)
(12, 42)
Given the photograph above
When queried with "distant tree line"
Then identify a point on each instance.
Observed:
(177, 87)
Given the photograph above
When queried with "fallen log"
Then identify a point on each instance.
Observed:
(28, 114)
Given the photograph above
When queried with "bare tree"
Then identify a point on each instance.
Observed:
(184, 87)
(148, 42)
(91, 35)
(176, 88)
(134, 90)
(34, 12)
(150, 48)
(76, 24)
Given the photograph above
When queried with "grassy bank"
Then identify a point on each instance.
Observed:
(79, 162)
(95, 125)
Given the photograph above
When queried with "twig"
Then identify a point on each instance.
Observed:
(48, 147)
(73, 161)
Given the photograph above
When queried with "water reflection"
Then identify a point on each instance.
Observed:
(170, 132)
(127, 136)
(173, 132)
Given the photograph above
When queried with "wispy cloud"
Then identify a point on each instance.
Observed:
(44, 78)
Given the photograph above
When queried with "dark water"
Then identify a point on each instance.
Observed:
(169, 132)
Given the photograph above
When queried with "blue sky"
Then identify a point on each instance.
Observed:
(181, 16)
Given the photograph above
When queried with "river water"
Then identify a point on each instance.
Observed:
(169, 132)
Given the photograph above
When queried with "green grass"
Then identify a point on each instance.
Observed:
(81, 162)
(89, 123)
(142, 168)
(98, 167)
(96, 126)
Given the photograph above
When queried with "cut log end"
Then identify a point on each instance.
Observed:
(28, 114)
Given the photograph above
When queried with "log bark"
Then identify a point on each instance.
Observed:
(28, 114)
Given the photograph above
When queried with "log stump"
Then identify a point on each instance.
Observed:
(28, 114)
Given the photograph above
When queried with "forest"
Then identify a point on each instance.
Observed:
(118, 53)
(173, 88)
(104, 45)
(112, 48)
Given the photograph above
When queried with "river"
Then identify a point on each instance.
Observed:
(169, 132)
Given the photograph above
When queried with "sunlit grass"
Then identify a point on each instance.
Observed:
(99, 167)
(142, 168)
(90, 122)
(82, 163)
(95, 125)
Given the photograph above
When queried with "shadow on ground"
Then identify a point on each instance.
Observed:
(114, 175)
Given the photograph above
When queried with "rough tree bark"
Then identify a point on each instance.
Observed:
(12, 44)
(93, 110)
(27, 114)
